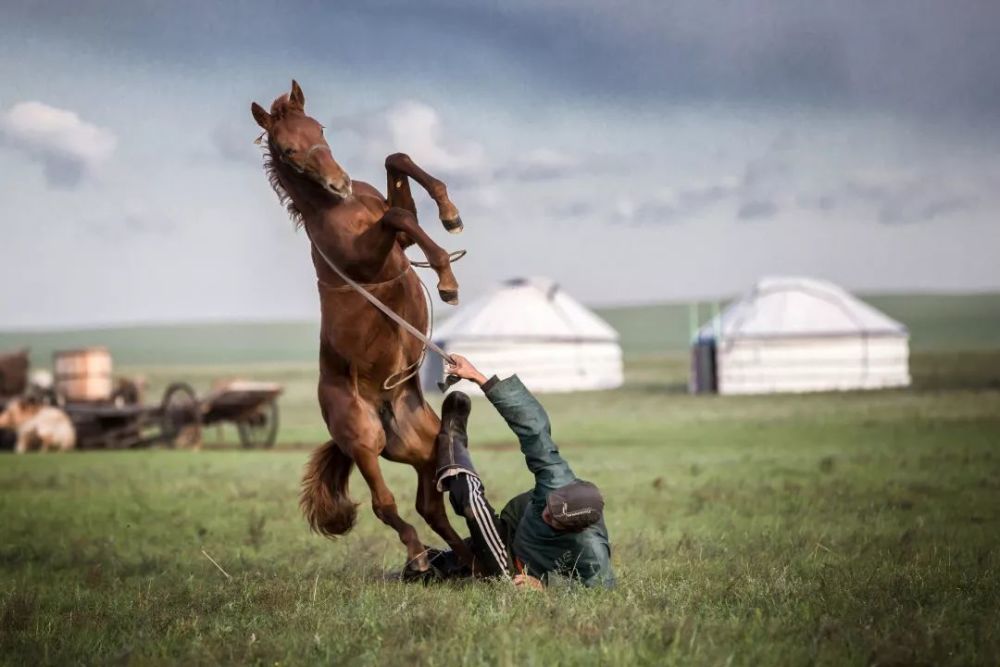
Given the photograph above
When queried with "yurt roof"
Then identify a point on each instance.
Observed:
(525, 309)
(799, 307)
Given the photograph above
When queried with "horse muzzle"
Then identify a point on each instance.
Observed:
(343, 189)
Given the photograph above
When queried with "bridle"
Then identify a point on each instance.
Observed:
(318, 147)
(312, 149)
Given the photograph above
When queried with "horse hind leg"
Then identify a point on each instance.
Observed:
(430, 506)
(411, 429)
(398, 167)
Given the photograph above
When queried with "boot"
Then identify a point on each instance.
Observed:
(452, 440)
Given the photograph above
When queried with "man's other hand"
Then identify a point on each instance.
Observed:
(528, 583)
(464, 369)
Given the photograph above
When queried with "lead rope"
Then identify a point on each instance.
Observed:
(392, 315)
(414, 368)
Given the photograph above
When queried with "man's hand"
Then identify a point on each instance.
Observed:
(464, 369)
(528, 583)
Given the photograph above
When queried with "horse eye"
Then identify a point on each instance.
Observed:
(289, 151)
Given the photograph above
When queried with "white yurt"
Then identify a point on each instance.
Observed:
(531, 327)
(794, 334)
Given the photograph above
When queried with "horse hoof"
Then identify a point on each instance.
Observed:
(410, 575)
(418, 570)
(449, 296)
(453, 226)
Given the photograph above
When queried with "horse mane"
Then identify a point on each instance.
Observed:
(294, 214)
(278, 109)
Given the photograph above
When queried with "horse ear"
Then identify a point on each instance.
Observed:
(297, 97)
(263, 118)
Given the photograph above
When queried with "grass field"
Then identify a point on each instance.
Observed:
(830, 529)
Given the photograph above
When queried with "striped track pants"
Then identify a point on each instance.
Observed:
(468, 498)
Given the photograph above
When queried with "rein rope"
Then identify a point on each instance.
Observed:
(392, 315)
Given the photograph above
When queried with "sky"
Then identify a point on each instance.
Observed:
(632, 151)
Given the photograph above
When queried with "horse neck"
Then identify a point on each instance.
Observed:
(297, 187)
(313, 207)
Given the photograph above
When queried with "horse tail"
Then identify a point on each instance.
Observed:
(324, 498)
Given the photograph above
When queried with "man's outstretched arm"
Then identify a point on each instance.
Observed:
(527, 419)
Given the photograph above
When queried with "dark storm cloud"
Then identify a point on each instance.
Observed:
(912, 56)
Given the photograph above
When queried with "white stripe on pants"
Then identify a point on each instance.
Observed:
(484, 519)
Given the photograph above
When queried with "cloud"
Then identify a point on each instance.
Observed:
(756, 210)
(539, 164)
(414, 128)
(906, 197)
(766, 182)
(671, 205)
(772, 183)
(417, 129)
(67, 147)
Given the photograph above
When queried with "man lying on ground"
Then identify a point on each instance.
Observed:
(555, 528)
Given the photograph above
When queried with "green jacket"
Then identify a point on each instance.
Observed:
(585, 555)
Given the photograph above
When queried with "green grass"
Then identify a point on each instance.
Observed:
(855, 528)
(946, 322)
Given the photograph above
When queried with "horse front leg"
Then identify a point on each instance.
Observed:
(398, 167)
(400, 220)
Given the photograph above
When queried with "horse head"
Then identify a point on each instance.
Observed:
(296, 140)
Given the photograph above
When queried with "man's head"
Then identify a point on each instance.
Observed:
(573, 507)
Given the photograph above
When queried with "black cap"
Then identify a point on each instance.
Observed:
(575, 506)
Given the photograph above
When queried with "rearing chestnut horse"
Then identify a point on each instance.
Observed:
(364, 234)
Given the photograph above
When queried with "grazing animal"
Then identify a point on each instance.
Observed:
(368, 408)
(38, 425)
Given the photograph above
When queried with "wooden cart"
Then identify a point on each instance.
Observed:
(179, 418)
(252, 406)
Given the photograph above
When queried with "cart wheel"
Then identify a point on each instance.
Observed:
(261, 428)
(181, 416)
